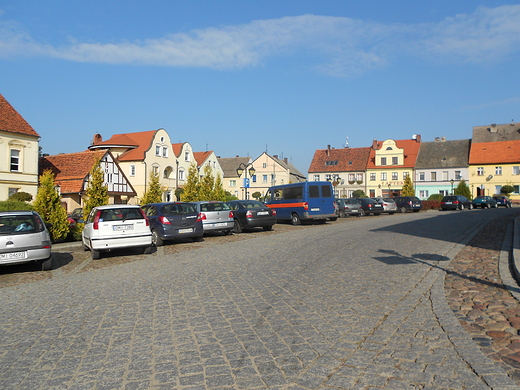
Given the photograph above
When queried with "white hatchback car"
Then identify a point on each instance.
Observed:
(115, 227)
(24, 238)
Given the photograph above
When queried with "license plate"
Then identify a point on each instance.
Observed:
(118, 228)
(221, 224)
(13, 255)
(262, 213)
(190, 230)
(315, 209)
(353, 211)
(448, 202)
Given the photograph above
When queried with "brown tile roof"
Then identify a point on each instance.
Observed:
(200, 157)
(137, 144)
(229, 165)
(340, 160)
(411, 150)
(496, 133)
(495, 152)
(12, 122)
(70, 169)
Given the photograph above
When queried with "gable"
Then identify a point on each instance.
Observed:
(12, 122)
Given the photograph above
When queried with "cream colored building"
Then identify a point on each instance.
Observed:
(19, 150)
(231, 182)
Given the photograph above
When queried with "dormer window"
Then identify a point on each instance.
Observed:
(335, 162)
(389, 148)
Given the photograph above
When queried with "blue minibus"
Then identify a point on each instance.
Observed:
(306, 201)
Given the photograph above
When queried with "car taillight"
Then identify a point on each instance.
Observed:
(164, 220)
(305, 206)
(249, 214)
(369, 205)
(200, 217)
(274, 212)
(231, 214)
(456, 202)
(95, 224)
(147, 221)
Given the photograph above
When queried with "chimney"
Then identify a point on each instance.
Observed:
(328, 150)
(97, 139)
(418, 138)
(275, 156)
(374, 144)
(285, 160)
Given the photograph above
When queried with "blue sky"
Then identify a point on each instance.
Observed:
(244, 77)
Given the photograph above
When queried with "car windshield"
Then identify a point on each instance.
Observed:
(178, 209)
(120, 214)
(20, 224)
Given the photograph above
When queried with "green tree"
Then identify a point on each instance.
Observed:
(207, 184)
(408, 189)
(218, 190)
(97, 192)
(229, 196)
(154, 192)
(257, 195)
(359, 194)
(463, 189)
(190, 191)
(178, 193)
(21, 196)
(48, 205)
(507, 189)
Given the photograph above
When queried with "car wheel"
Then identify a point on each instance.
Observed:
(227, 232)
(377, 213)
(198, 239)
(470, 207)
(333, 219)
(237, 227)
(156, 240)
(362, 212)
(342, 214)
(488, 206)
(295, 219)
(402, 209)
(148, 249)
(392, 213)
(268, 228)
(461, 207)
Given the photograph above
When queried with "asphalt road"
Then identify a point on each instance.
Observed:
(353, 304)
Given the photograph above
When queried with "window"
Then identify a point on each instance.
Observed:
(264, 165)
(517, 190)
(253, 178)
(181, 174)
(444, 192)
(497, 189)
(395, 160)
(433, 176)
(132, 170)
(187, 156)
(157, 150)
(12, 191)
(328, 177)
(516, 170)
(423, 194)
(457, 175)
(405, 175)
(383, 160)
(273, 178)
(331, 162)
(232, 183)
(421, 176)
(165, 151)
(395, 175)
(359, 176)
(480, 171)
(15, 160)
(498, 170)
(383, 175)
(445, 175)
(351, 177)
(372, 177)
(155, 169)
(316, 177)
(264, 178)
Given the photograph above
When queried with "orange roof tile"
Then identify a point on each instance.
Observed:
(177, 148)
(340, 160)
(411, 150)
(138, 143)
(200, 157)
(12, 122)
(495, 152)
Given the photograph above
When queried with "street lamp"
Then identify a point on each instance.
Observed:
(452, 181)
(243, 168)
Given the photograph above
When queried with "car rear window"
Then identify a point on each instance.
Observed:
(178, 209)
(220, 206)
(20, 224)
(120, 214)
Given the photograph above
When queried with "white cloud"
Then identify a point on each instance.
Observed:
(336, 45)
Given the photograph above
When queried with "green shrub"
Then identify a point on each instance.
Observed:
(11, 205)
(436, 197)
(21, 196)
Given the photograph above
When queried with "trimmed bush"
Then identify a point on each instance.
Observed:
(431, 204)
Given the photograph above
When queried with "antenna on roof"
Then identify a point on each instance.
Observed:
(346, 143)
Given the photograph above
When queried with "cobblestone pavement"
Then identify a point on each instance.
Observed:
(357, 304)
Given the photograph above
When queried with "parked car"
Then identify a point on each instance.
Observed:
(456, 202)
(24, 238)
(370, 206)
(174, 220)
(77, 215)
(484, 201)
(502, 201)
(249, 214)
(216, 216)
(348, 206)
(408, 203)
(389, 205)
(115, 227)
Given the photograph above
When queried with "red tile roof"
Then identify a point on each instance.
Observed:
(70, 169)
(340, 160)
(200, 157)
(12, 122)
(137, 143)
(411, 150)
(177, 148)
(494, 152)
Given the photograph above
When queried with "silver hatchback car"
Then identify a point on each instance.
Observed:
(24, 238)
(389, 205)
(216, 216)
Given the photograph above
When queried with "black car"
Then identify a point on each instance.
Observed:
(408, 203)
(173, 220)
(456, 202)
(502, 201)
(250, 214)
(370, 206)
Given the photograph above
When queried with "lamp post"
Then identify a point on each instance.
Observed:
(452, 181)
(389, 191)
(243, 168)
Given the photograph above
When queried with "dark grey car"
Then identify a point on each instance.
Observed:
(348, 206)
(408, 203)
(250, 214)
